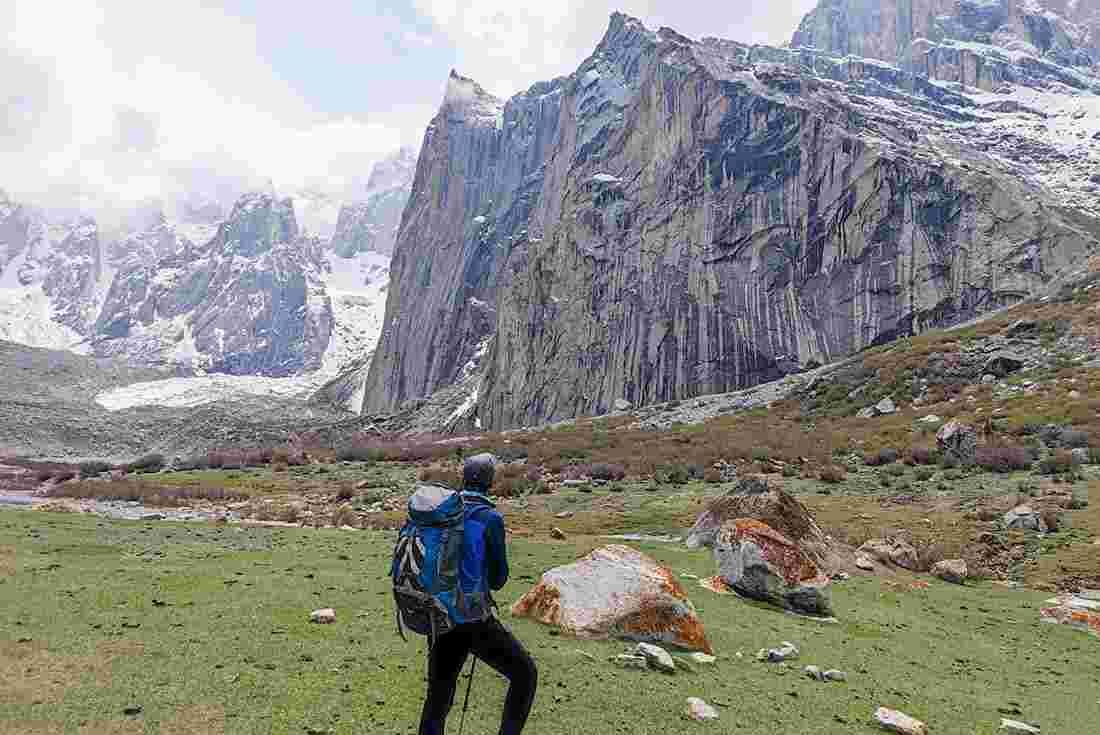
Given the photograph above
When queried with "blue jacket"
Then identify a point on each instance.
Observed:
(485, 554)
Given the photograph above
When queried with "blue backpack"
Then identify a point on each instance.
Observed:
(438, 564)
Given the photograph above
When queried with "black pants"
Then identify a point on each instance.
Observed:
(495, 645)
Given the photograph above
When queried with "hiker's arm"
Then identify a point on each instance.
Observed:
(497, 552)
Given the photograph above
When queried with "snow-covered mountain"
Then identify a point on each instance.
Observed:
(252, 302)
(371, 225)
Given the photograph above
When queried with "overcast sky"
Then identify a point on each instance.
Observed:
(115, 101)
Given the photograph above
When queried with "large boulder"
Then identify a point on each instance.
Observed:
(776, 508)
(951, 570)
(958, 441)
(616, 591)
(763, 564)
(896, 551)
(1026, 518)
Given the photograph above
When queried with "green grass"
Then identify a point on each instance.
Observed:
(231, 647)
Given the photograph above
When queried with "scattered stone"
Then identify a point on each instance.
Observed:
(813, 672)
(1026, 518)
(1081, 455)
(865, 562)
(575, 483)
(787, 651)
(989, 379)
(325, 615)
(835, 675)
(657, 657)
(1074, 394)
(951, 570)
(1018, 728)
(616, 591)
(752, 485)
(700, 711)
(564, 514)
(866, 413)
(630, 661)
(621, 404)
(885, 407)
(1004, 364)
(152, 517)
(930, 419)
(704, 659)
(899, 722)
(959, 441)
(557, 534)
(763, 564)
(133, 710)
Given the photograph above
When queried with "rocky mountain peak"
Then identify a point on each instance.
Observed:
(258, 222)
(394, 171)
(466, 100)
(918, 35)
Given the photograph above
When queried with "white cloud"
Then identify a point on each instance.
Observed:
(507, 45)
(122, 101)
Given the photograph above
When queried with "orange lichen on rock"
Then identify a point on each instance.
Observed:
(778, 550)
(615, 590)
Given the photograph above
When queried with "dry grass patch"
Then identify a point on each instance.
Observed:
(114, 649)
(32, 727)
(7, 561)
(196, 720)
(29, 673)
(112, 727)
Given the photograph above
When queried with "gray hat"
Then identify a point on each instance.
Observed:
(478, 473)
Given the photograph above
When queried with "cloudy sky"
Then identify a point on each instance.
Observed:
(107, 102)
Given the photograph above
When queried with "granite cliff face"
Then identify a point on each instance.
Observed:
(685, 217)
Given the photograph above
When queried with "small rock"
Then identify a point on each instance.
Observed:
(835, 675)
(899, 722)
(575, 483)
(752, 485)
(630, 661)
(930, 419)
(702, 658)
(132, 710)
(785, 652)
(622, 404)
(657, 657)
(951, 570)
(865, 562)
(1018, 728)
(1026, 518)
(152, 517)
(565, 514)
(1075, 394)
(557, 534)
(700, 711)
(1081, 455)
(867, 413)
(325, 615)
(989, 379)
(813, 672)
(885, 407)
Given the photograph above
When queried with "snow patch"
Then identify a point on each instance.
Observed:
(26, 317)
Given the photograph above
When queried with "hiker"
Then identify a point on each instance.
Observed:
(456, 609)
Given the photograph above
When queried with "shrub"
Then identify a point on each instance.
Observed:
(358, 453)
(833, 474)
(921, 454)
(881, 457)
(148, 463)
(93, 469)
(673, 474)
(609, 472)
(789, 470)
(1003, 459)
(761, 454)
(1058, 463)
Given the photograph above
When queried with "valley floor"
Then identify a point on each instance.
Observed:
(203, 628)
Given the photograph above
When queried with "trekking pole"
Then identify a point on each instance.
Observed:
(466, 704)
